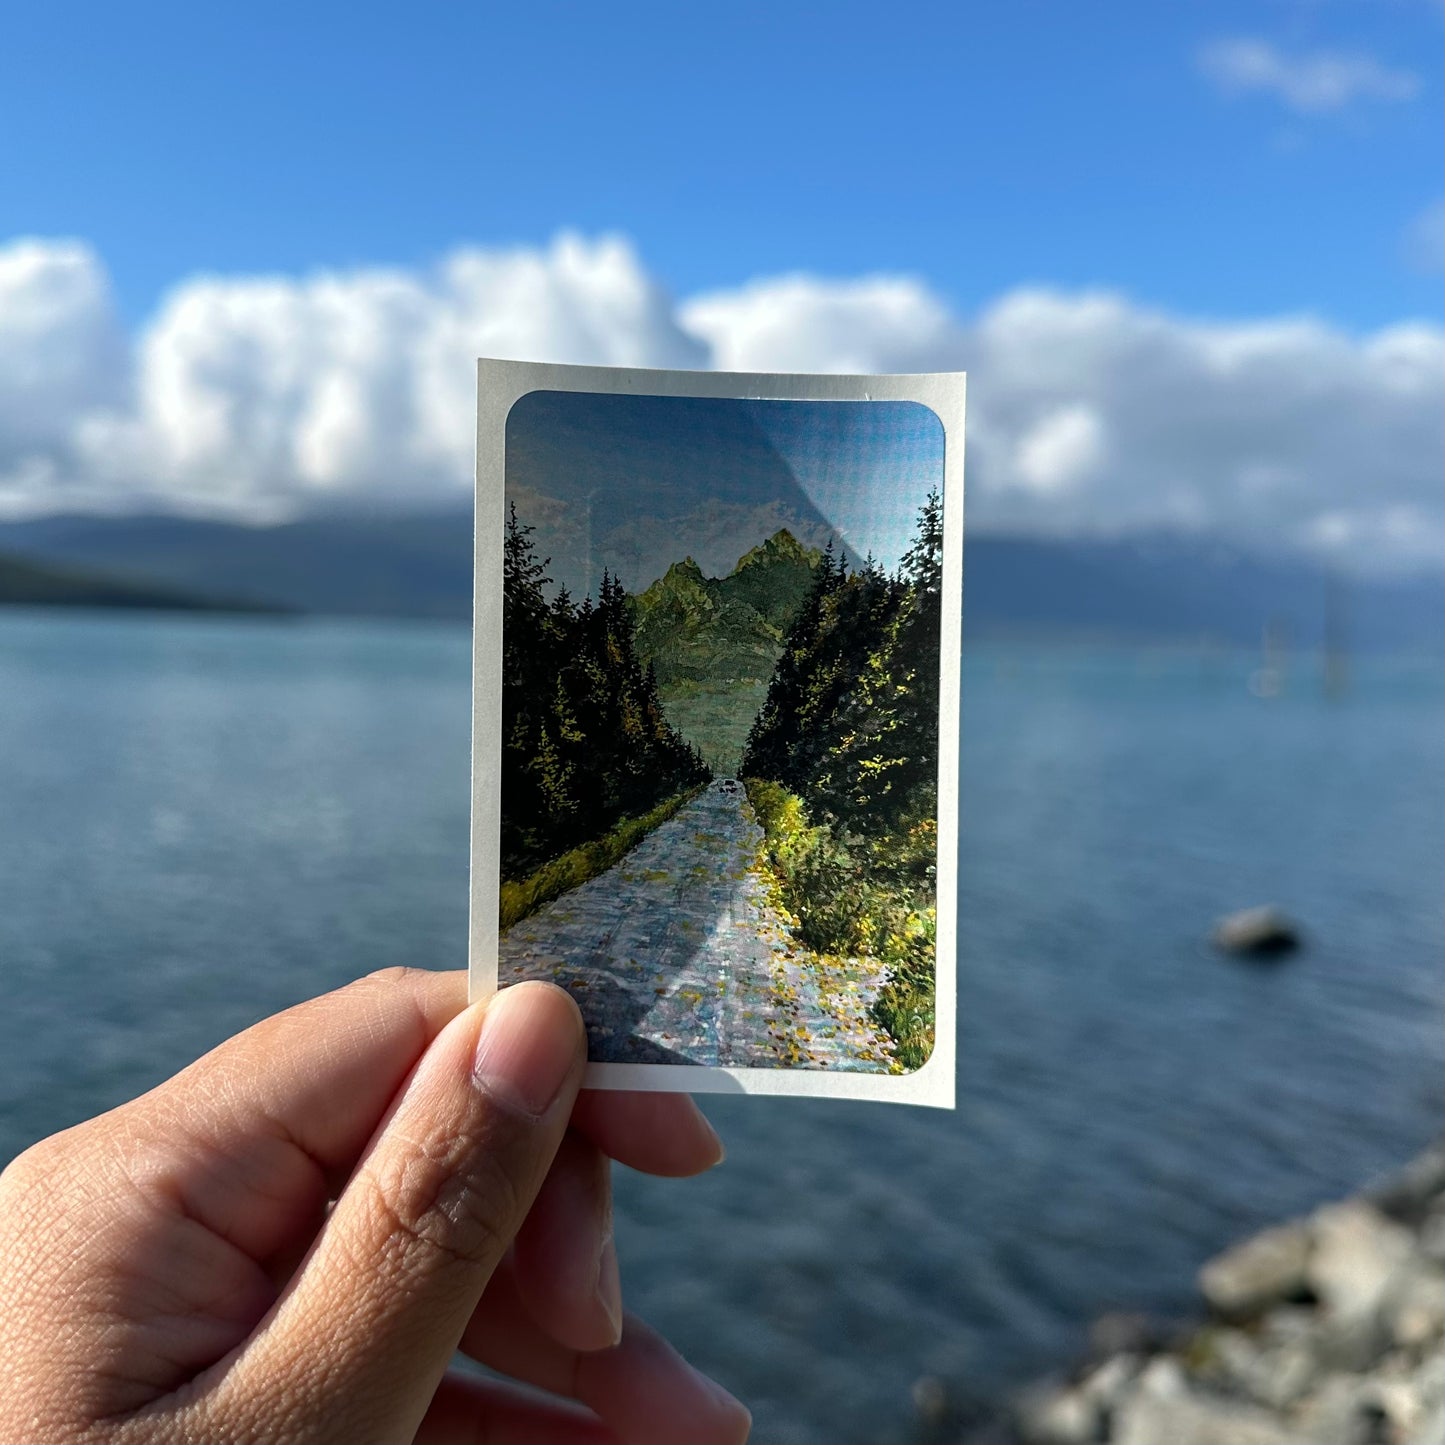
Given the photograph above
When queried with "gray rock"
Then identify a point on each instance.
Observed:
(1356, 1256)
(1414, 1307)
(1271, 1372)
(1259, 932)
(1106, 1385)
(1349, 1343)
(1264, 1270)
(1289, 1324)
(1057, 1416)
(1429, 1386)
(1432, 1235)
(1163, 1410)
(1359, 1410)
(1225, 1359)
(1286, 1376)
(1290, 1364)
(1410, 1194)
(1327, 1331)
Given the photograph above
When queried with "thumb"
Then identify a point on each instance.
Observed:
(357, 1346)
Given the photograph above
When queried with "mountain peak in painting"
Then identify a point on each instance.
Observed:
(695, 628)
(781, 546)
(773, 579)
(682, 574)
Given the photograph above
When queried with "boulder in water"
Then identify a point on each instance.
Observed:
(1262, 932)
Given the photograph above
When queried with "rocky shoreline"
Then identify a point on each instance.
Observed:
(1327, 1330)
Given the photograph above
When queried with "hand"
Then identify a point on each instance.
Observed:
(174, 1270)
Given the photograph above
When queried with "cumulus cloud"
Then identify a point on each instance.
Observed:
(1091, 414)
(1062, 450)
(272, 397)
(1313, 83)
(880, 323)
(61, 353)
(260, 397)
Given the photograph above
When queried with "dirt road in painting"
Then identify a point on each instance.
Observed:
(676, 956)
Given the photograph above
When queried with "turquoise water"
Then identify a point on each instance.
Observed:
(202, 821)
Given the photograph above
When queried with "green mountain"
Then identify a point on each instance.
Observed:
(774, 578)
(699, 629)
(713, 641)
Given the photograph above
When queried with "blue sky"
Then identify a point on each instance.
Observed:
(1190, 254)
(978, 145)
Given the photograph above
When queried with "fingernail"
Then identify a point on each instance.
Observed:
(712, 1134)
(609, 1287)
(527, 1045)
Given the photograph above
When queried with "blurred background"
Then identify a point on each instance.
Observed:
(1191, 259)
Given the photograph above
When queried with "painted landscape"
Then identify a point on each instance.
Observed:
(719, 787)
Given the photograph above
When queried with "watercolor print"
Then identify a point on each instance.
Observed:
(720, 707)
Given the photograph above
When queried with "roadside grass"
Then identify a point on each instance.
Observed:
(906, 1005)
(524, 896)
(859, 897)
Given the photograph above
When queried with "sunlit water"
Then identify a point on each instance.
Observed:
(204, 820)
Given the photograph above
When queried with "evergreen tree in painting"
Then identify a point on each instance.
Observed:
(881, 763)
(842, 768)
(850, 723)
(777, 735)
(584, 739)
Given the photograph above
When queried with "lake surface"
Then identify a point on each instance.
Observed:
(203, 820)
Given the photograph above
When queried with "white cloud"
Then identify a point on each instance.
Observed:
(261, 397)
(1089, 413)
(1314, 83)
(880, 323)
(1062, 450)
(264, 396)
(61, 350)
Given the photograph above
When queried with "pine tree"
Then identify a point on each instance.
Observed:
(524, 613)
(584, 738)
(776, 732)
(850, 722)
(918, 656)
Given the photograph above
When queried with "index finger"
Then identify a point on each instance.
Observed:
(252, 1137)
(274, 1119)
(664, 1134)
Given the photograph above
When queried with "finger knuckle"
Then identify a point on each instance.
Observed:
(36, 1170)
(393, 975)
(444, 1198)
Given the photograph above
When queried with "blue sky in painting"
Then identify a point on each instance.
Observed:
(866, 466)
(626, 465)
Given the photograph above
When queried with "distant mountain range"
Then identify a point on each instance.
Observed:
(37, 584)
(409, 566)
(421, 566)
